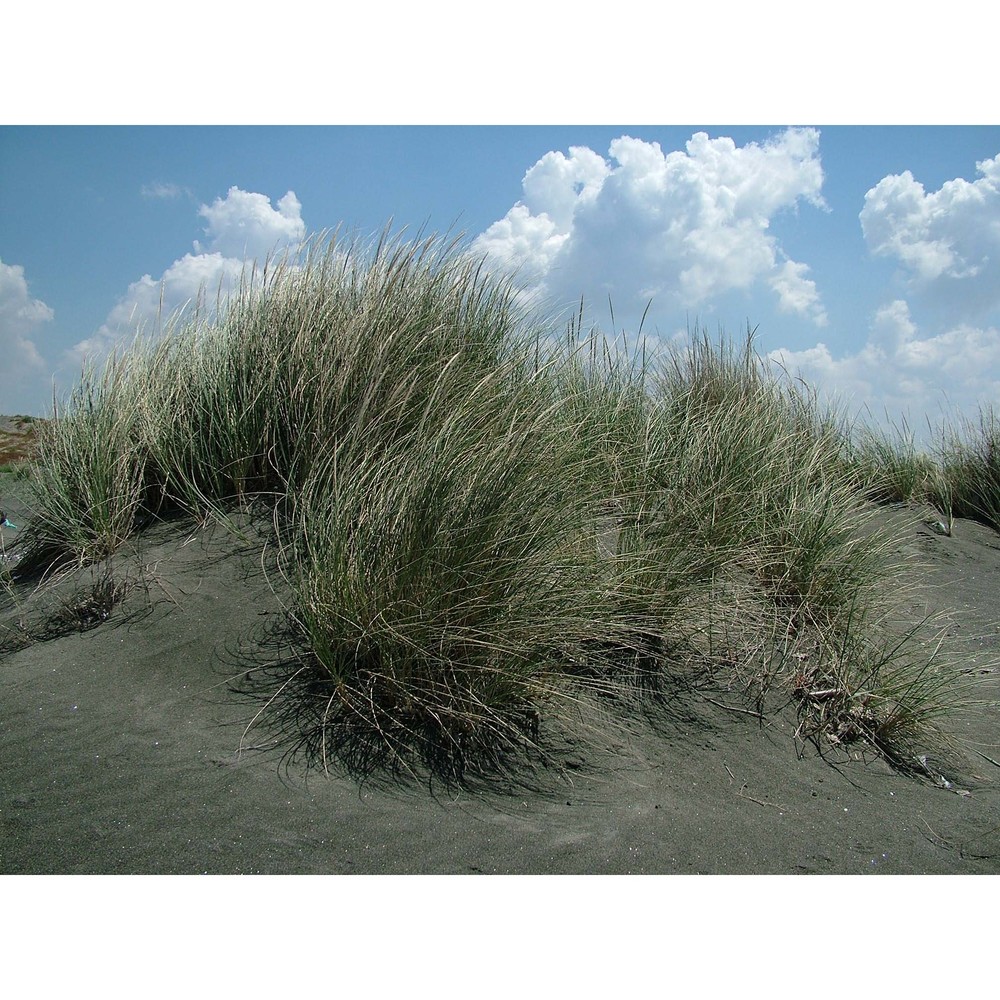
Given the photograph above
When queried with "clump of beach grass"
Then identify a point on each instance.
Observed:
(892, 467)
(448, 584)
(738, 476)
(958, 475)
(481, 524)
(87, 480)
(969, 484)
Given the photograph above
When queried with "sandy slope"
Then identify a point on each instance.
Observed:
(119, 755)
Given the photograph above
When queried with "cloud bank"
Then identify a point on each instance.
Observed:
(902, 373)
(947, 244)
(22, 371)
(241, 227)
(680, 227)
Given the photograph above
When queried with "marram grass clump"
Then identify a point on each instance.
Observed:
(485, 526)
(958, 475)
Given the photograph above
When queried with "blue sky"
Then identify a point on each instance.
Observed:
(868, 256)
(880, 243)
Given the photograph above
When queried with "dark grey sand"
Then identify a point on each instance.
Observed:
(119, 748)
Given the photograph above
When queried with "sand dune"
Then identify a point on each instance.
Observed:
(120, 740)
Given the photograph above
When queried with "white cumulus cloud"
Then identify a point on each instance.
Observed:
(681, 226)
(21, 316)
(244, 225)
(241, 227)
(797, 293)
(948, 241)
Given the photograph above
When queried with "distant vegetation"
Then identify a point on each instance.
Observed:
(483, 520)
(18, 443)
